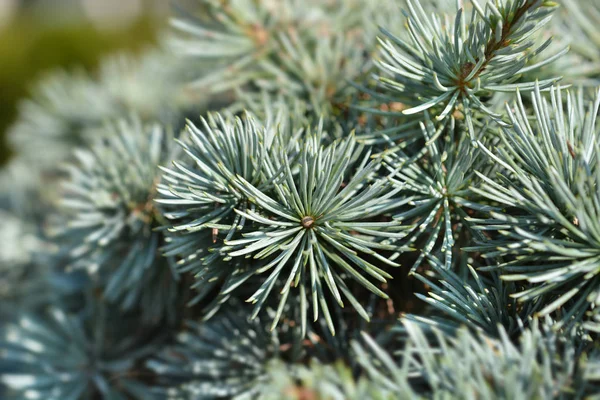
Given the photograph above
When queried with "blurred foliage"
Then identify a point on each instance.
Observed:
(28, 48)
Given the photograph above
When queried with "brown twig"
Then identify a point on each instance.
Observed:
(493, 46)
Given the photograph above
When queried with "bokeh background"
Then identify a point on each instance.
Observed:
(41, 36)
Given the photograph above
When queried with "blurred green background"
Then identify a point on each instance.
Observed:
(33, 42)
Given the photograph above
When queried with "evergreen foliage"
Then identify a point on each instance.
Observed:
(550, 188)
(227, 357)
(541, 364)
(306, 49)
(447, 65)
(340, 165)
(22, 279)
(309, 222)
(108, 217)
(59, 354)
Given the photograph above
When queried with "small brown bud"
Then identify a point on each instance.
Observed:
(307, 222)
